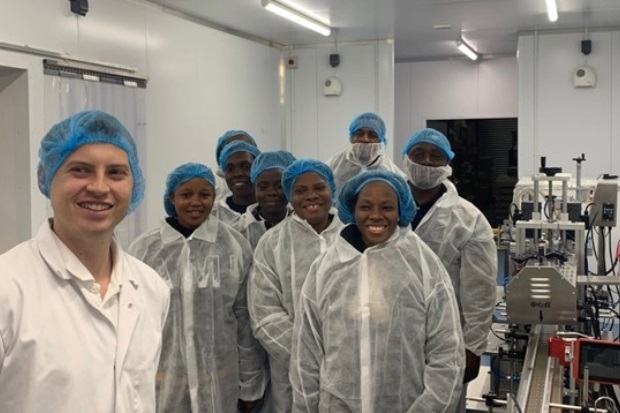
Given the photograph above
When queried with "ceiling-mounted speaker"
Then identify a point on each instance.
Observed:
(79, 7)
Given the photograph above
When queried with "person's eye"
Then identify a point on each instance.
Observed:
(78, 169)
(298, 191)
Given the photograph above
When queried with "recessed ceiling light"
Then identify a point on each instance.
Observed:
(442, 27)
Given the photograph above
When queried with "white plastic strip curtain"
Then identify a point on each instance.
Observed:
(69, 90)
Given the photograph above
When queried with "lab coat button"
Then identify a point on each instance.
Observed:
(94, 289)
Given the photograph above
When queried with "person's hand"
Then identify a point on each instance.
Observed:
(472, 366)
(245, 406)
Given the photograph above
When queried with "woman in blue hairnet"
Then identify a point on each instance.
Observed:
(367, 150)
(271, 205)
(209, 361)
(235, 162)
(234, 135)
(377, 328)
(81, 320)
(281, 263)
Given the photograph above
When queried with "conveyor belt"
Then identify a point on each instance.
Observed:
(536, 378)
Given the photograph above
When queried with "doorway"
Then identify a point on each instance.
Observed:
(484, 168)
(15, 164)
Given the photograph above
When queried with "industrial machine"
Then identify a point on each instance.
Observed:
(556, 337)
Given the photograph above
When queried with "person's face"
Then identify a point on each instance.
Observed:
(237, 174)
(427, 154)
(269, 194)
(91, 192)
(193, 202)
(311, 199)
(365, 135)
(376, 212)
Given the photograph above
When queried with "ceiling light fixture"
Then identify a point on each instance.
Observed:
(296, 17)
(552, 10)
(466, 49)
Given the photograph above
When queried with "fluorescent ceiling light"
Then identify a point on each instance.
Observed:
(296, 17)
(466, 50)
(552, 10)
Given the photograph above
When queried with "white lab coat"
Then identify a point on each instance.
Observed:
(281, 263)
(210, 358)
(250, 227)
(345, 166)
(58, 351)
(377, 332)
(463, 239)
(222, 211)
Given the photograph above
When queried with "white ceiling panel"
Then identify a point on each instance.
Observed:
(490, 26)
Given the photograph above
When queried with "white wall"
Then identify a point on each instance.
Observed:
(317, 125)
(201, 81)
(453, 89)
(556, 119)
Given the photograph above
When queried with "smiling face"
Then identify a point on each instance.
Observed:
(311, 199)
(237, 176)
(376, 212)
(269, 194)
(91, 192)
(193, 202)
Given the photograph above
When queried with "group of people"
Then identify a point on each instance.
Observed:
(275, 284)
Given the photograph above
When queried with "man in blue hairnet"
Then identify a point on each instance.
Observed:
(229, 136)
(81, 321)
(367, 150)
(236, 161)
(459, 234)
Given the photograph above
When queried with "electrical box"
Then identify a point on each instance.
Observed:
(603, 212)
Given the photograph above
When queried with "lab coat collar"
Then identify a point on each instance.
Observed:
(64, 263)
(333, 226)
(347, 252)
(207, 231)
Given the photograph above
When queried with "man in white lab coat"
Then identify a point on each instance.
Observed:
(80, 320)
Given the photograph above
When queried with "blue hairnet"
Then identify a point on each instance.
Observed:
(179, 176)
(270, 160)
(300, 167)
(368, 120)
(350, 190)
(234, 147)
(432, 136)
(221, 142)
(86, 127)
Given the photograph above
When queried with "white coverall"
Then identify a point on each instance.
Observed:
(281, 263)
(60, 349)
(463, 239)
(345, 166)
(377, 332)
(209, 358)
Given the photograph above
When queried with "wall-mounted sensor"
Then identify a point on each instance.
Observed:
(584, 76)
(586, 47)
(332, 86)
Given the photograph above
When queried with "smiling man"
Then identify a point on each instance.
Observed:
(236, 162)
(80, 320)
